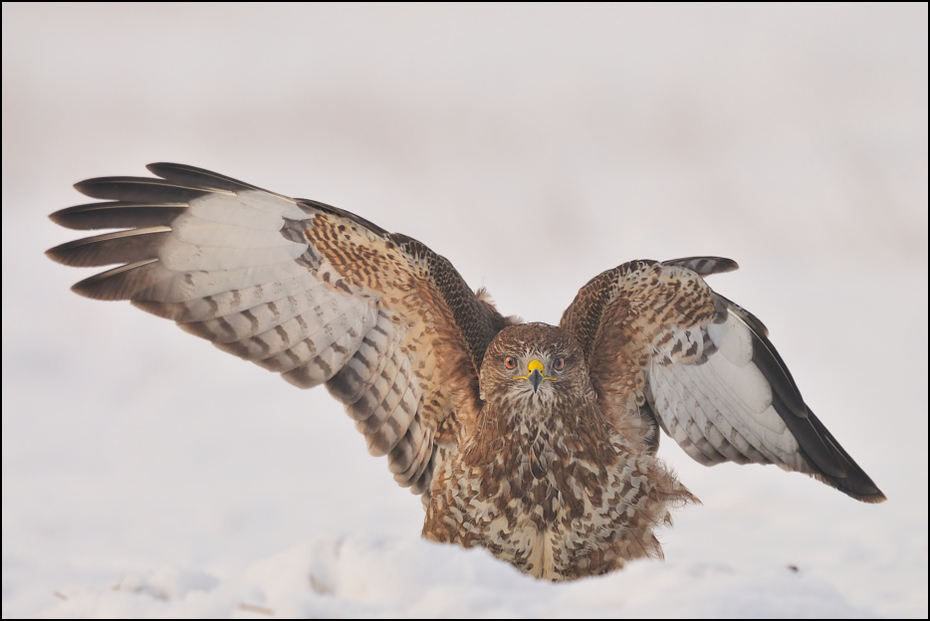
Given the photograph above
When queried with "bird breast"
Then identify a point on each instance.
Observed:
(541, 497)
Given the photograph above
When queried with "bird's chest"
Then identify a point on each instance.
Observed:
(528, 502)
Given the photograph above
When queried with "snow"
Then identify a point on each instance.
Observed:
(147, 474)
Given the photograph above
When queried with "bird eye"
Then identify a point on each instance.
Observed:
(510, 362)
(559, 364)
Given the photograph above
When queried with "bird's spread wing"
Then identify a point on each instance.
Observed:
(660, 341)
(304, 289)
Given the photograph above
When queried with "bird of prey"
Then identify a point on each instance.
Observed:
(537, 442)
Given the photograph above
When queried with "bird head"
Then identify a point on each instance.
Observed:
(532, 365)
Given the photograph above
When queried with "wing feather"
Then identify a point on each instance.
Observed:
(119, 283)
(359, 374)
(385, 396)
(117, 215)
(659, 340)
(140, 189)
(120, 247)
(310, 291)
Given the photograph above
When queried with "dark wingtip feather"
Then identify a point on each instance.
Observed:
(117, 215)
(852, 480)
(139, 190)
(200, 177)
(861, 490)
(119, 283)
(828, 461)
(110, 248)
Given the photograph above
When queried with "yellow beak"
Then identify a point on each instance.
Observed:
(534, 374)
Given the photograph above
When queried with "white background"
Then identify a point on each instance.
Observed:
(146, 473)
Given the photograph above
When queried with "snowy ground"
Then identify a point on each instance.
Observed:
(146, 474)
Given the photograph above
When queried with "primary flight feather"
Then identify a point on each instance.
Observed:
(536, 442)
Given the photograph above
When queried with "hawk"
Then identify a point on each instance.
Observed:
(537, 442)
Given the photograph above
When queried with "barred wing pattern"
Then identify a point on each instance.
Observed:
(298, 287)
(704, 370)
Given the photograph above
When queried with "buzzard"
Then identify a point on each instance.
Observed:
(537, 442)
